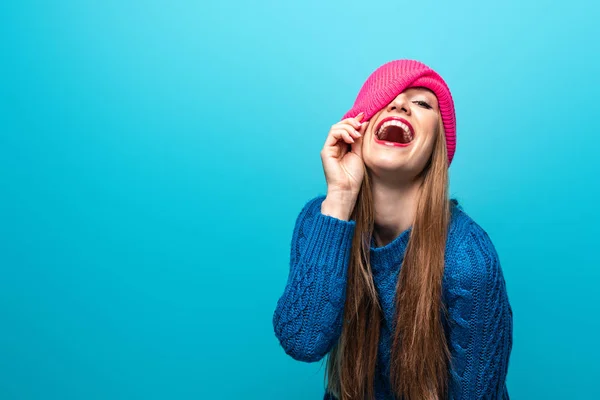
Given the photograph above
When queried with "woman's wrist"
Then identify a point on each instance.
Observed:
(338, 205)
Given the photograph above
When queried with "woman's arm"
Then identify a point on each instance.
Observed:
(308, 317)
(480, 321)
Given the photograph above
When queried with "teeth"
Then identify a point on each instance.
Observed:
(407, 134)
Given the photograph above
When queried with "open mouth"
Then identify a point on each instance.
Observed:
(394, 131)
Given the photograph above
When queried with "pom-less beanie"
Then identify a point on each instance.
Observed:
(391, 79)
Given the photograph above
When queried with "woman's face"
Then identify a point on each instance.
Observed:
(392, 154)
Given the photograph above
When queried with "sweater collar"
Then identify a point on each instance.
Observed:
(384, 257)
(392, 254)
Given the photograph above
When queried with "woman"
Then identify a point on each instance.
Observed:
(388, 276)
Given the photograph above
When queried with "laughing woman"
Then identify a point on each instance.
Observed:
(390, 278)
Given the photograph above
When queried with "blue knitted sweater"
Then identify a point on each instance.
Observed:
(308, 317)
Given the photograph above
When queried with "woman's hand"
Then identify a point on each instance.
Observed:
(342, 157)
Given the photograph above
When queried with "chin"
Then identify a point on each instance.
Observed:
(389, 165)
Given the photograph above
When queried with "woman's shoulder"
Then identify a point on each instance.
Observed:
(463, 226)
(471, 253)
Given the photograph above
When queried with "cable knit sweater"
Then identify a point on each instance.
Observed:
(308, 317)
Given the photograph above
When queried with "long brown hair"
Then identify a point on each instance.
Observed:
(420, 355)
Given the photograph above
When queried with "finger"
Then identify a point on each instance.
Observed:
(355, 122)
(335, 135)
(359, 117)
(353, 132)
(363, 127)
(349, 139)
(358, 120)
(356, 147)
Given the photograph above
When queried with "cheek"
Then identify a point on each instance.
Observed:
(433, 129)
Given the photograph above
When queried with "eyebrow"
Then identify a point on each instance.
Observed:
(424, 90)
(427, 92)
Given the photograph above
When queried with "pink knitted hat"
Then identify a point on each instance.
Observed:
(391, 79)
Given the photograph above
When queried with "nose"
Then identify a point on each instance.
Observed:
(399, 104)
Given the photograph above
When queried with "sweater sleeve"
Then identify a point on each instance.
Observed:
(481, 321)
(308, 317)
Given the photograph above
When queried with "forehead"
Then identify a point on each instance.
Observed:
(419, 90)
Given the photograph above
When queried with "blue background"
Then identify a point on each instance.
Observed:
(154, 156)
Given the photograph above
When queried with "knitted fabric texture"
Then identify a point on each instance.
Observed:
(308, 316)
(391, 79)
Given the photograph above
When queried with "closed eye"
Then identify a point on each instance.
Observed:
(423, 102)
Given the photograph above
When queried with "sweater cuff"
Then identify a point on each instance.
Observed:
(330, 241)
